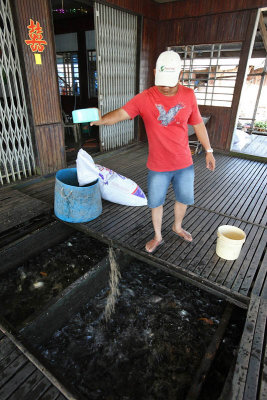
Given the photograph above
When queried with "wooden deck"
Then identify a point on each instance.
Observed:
(19, 213)
(234, 194)
(249, 381)
(20, 379)
(256, 146)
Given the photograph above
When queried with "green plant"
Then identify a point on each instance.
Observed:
(261, 124)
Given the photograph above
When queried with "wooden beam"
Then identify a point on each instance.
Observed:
(247, 47)
(263, 31)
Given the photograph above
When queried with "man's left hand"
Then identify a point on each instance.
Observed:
(210, 161)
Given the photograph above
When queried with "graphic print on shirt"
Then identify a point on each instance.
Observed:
(167, 117)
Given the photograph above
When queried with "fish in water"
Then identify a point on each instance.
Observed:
(155, 299)
(38, 285)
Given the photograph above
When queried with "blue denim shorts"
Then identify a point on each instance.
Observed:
(182, 181)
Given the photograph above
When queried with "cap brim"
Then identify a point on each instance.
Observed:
(162, 79)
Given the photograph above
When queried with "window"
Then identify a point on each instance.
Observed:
(253, 108)
(210, 70)
(92, 73)
(68, 73)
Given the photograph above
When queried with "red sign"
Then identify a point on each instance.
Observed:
(36, 41)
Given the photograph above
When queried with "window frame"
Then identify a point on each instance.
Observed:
(70, 72)
(204, 78)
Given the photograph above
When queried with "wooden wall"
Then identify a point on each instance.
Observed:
(148, 56)
(196, 22)
(196, 8)
(181, 22)
(219, 28)
(149, 53)
(42, 85)
(147, 8)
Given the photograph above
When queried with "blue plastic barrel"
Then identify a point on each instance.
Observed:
(74, 203)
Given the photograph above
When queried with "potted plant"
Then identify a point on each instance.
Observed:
(261, 126)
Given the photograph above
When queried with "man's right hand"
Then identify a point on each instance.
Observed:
(112, 117)
(99, 121)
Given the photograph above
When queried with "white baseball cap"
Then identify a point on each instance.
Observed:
(168, 68)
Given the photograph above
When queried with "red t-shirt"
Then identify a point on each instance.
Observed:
(166, 119)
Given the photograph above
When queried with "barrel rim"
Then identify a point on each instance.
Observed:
(236, 229)
(95, 182)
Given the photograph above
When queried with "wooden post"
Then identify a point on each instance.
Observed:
(247, 47)
(41, 79)
(83, 68)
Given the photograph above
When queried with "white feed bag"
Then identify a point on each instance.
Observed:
(86, 169)
(113, 187)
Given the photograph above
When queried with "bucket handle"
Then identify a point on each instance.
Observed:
(65, 197)
(62, 195)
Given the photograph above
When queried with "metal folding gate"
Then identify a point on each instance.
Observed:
(116, 46)
(16, 152)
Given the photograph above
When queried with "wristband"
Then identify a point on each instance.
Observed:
(209, 151)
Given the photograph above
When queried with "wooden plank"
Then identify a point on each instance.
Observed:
(246, 192)
(196, 8)
(248, 261)
(32, 244)
(17, 208)
(258, 213)
(6, 347)
(180, 252)
(222, 184)
(16, 380)
(222, 199)
(23, 374)
(41, 79)
(260, 285)
(242, 363)
(147, 8)
(61, 397)
(255, 195)
(203, 246)
(263, 31)
(51, 147)
(4, 363)
(264, 288)
(25, 389)
(257, 351)
(37, 391)
(255, 262)
(207, 182)
(263, 383)
(12, 369)
(50, 394)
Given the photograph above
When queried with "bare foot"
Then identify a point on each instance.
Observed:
(152, 245)
(183, 234)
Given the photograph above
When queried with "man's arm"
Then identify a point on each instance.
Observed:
(112, 117)
(203, 137)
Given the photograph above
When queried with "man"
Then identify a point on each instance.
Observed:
(166, 109)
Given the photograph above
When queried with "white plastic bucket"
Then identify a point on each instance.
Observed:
(230, 240)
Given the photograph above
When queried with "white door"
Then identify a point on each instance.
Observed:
(116, 49)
